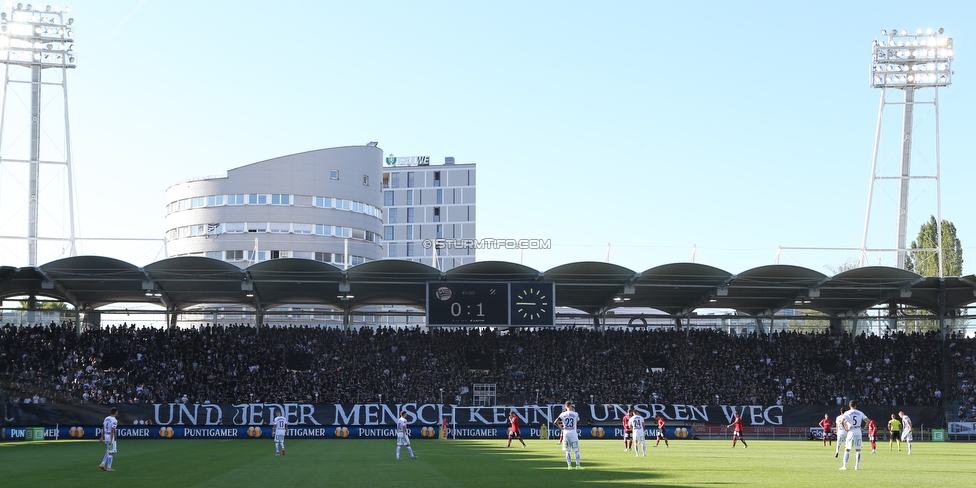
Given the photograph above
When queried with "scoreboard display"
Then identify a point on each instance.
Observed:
(490, 303)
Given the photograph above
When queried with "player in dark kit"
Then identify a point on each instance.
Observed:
(826, 424)
(737, 430)
(513, 431)
(661, 433)
(628, 433)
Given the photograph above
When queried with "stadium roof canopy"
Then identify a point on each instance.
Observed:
(90, 282)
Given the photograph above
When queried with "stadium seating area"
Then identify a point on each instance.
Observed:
(238, 363)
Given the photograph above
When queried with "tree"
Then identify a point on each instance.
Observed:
(926, 263)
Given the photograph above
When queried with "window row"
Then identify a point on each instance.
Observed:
(245, 255)
(214, 229)
(399, 179)
(273, 199)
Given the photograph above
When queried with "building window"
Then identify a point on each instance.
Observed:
(278, 199)
(388, 233)
(393, 215)
(237, 199)
(365, 180)
(302, 228)
(409, 249)
(234, 255)
(388, 198)
(215, 200)
(234, 227)
(325, 257)
(410, 215)
(437, 178)
(409, 232)
(280, 227)
(323, 230)
(386, 180)
(440, 231)
(394, 180)
(334, 174)
(409, 197)
(257, 226)
(440, 196)
(409, 179)
(393, 251)
(437, 214)
(255, 199)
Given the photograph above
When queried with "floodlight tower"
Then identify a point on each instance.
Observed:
(37, 40)
(908, 62)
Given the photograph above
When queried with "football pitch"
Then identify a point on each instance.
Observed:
(473, 463)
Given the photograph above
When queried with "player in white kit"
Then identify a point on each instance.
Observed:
(403, 436)
(851, 422)
(637, 425)
(280, 429)
(109, 428)
(570, 422)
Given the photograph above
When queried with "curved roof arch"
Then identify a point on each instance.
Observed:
(191, 280)
(492, 270)
(292, 280)
(589, 286)
(677, 288)
(390, 282)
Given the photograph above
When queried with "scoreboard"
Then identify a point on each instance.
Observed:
(490, 303)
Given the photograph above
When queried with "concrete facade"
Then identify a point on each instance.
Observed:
(310, 205)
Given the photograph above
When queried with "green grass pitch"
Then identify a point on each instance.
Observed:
(473, 463)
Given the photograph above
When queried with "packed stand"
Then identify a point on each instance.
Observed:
(241, 363)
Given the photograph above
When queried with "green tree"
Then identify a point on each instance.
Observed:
(926, 263)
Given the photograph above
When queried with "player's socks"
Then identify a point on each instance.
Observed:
(569, 458)
(398, 452)
(410, 450)
(857, 459)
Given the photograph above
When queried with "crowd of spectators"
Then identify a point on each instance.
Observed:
(239, 363)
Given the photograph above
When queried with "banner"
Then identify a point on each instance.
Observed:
(378, 416)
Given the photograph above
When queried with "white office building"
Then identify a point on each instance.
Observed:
(324, 205)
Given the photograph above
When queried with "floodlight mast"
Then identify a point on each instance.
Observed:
(38, 38)
(908, 62)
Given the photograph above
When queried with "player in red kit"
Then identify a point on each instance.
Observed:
(826, 424)
(737, 430)
(661, 433)
(513, 432)
(873, 435)
(628, 433)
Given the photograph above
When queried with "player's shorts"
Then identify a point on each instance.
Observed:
(628, 434)
(895, 435)
(110, 447)
(661, 433)
(639, 435)
(737, 433)
(853, 441)
(402, 440)
(842, 437)
(873, 438)
(906, 435)
(279, 438)
(512, 434)
(570, 445)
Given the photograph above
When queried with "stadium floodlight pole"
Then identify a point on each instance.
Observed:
(38, 38)
(908, 62)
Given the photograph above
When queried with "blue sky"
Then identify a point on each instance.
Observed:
(657, 127)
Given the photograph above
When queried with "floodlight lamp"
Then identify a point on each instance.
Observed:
(918, 32)
(884, 32)
(47, 8)
(941, 30)
(20, 6)
(928, 31)
(67, 9)
(30, 7)
(71, 21)
(904, 32)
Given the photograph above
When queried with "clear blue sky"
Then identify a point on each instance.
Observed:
(655, 127)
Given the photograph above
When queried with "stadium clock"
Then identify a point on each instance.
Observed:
(462, 303)
(533, 304)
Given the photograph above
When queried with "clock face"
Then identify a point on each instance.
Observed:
(532, 304)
